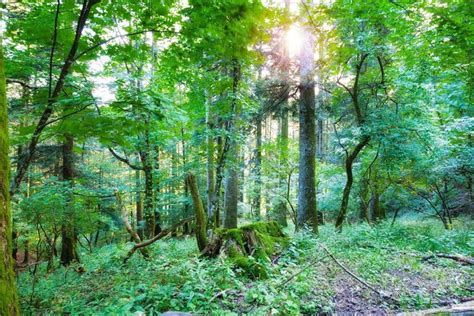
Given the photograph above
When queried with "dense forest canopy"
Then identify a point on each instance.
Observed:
(223, 156)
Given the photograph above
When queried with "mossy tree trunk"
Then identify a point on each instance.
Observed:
(200, 214)
(8, 293)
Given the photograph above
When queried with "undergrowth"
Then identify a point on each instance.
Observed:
(175, 278)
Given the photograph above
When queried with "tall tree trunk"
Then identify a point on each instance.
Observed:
(281, 208)
(152, 224)
(139, 204)
(231, 198)
(257, 200)
(8, 294)
(68, 233)
(149, 209)
(210, 185)
(307, 142)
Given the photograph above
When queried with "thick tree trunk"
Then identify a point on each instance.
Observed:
(8, 294)
(68, 233)
(200, 214)
(231, 198)
(350, 179)
(307, 142)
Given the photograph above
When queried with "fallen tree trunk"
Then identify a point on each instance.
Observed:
(458, 258)
(248, 246)
(161, 235)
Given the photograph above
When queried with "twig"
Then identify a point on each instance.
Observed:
(370, 287)
(300, 271)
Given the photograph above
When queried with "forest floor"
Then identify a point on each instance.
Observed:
(304, 279)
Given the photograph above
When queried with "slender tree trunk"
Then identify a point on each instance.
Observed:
(211, 194)
(68, 233)
(363, 203)
(350, 179)
(139, 204)
(257, 201)
(186, 208)
(307, 142)
(26, 252)
(149, 209)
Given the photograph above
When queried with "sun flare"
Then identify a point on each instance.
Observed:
(294, 40)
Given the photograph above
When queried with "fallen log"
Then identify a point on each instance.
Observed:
(161, 235)
(458, 258)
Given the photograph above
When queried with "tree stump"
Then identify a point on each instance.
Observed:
(249, 246)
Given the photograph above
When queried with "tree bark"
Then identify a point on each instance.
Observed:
(68, 233)
(307, 142)
(210, 185)
(257, 200)
(139, 204)
(350, 179)
(8, 294)
(231, 198)
(200, 214)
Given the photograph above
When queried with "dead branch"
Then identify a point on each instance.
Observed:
(161, 235)
(458, 258)
(370, 287)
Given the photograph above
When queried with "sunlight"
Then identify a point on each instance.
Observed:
(294, 40)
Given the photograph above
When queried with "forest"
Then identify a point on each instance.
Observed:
(236, 157)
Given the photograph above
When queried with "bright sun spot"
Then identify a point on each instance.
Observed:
(294, 40)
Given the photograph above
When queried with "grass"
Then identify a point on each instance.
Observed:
(176, 279)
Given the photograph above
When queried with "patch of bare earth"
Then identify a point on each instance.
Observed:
(353, 298)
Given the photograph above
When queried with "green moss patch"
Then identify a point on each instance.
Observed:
(249, 247)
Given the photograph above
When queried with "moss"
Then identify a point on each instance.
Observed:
(250, 246)
(8, 295)
(251, 267)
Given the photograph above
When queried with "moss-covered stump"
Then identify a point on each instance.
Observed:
(249, 246)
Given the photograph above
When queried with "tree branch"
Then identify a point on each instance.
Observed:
(124, 160)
